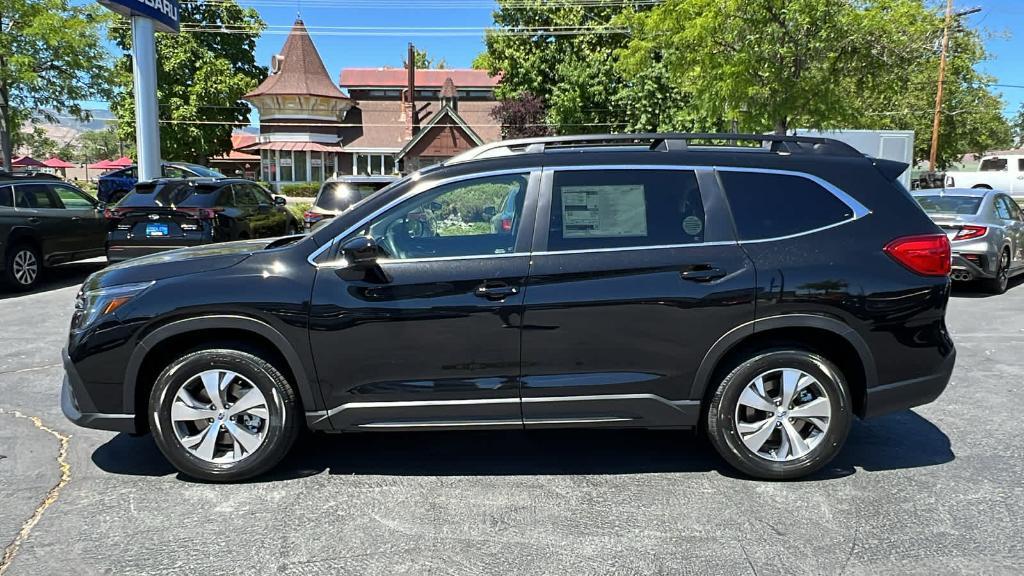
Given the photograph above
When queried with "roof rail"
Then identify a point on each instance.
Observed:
(664, 142)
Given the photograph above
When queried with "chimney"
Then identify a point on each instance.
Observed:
(409, 105)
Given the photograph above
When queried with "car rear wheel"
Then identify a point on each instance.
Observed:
(223, 415)
(23, 267)
(1001, 281)
(780, 414)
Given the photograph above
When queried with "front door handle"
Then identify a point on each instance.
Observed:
(702, 273)
(33, 220)
(496, 290)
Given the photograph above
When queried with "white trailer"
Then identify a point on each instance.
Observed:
(895, 145)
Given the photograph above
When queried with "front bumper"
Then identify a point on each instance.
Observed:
(897, 396)
(79, 408)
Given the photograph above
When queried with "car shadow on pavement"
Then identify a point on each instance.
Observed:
(57, 277)
(902, 440)
(976, 290)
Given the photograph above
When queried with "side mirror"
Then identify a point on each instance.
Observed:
(490, 211)
(361, 251)
(280, 201)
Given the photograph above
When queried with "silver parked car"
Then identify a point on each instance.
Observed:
(985, 229)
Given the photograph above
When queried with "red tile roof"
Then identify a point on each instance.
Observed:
(397, 78)
(308, 146)
(300, 71)
(239, 140)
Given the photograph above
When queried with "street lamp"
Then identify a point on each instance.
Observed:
(937, 120)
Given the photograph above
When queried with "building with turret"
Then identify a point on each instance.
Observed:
(375, 121)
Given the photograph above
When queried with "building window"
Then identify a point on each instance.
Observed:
(284, 162)
(299, 165)
(316, 166)
(374, 164)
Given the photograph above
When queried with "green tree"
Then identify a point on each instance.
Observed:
(36, 143)
(425, 62)
(98, 145)
(1018, 127)
(51, 58)
(565, 54)
(201, 78)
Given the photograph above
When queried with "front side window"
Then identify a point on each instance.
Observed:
(457, 219)
(73, 199)
(593, 209)
(766, 205)
(244, 196)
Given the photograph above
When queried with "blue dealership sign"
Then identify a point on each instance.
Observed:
(164, 13)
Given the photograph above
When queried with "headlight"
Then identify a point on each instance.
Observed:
(94, 304)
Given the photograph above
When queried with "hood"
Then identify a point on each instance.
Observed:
(177, 263)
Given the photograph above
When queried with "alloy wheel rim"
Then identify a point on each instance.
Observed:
(25, 267)
(783, 414)
(220, 416)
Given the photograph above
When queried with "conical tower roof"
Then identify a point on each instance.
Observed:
(298, 70)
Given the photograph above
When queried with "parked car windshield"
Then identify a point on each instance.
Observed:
(950, 204)
(341, 196)
(203, 171)
(169, 194)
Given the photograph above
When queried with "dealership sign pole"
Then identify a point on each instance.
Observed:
(147, 17)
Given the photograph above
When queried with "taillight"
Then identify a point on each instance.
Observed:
(928, 255)
(969, 232)
(506, 224)
(112, 214)
(311, 216)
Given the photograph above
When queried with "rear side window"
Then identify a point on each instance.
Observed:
(993, 165)
(593, 209)
(6, 197)
(767, 205)
(35, 196)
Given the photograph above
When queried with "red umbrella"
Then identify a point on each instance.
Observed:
(122, 162)
(102, 165)
(25, 162)
(56, 162)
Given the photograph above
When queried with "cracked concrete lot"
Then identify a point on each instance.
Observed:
(936, 490)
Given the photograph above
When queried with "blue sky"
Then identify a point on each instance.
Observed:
(1002, 19)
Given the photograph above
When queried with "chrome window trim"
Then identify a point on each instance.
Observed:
(859, 210)
(416, 190)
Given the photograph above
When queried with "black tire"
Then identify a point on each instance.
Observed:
(721, 415)
(282, 426)
(999, 284)
(16, 275)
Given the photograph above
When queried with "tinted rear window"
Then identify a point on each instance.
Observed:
(774, 205)
(170, 194)
(993, 165)
(342, 195)
(203, 171)
(949, 204)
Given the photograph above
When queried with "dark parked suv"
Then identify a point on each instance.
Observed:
(174, 213)
(763, 294)
(45, 221)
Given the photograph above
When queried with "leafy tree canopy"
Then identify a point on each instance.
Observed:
(425, 62)
(51, 58)
(201, 78)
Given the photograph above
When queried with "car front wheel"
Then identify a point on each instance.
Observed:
(223, 415)
(780, 414)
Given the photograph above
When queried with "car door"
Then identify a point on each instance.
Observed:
(636, 274)
(248, 221)
(41, 210)
(1009, 214)
(1017, 184)
(86, 234)
(274, 217)
(428, 338)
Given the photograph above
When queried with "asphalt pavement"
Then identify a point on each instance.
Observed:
(935, 490)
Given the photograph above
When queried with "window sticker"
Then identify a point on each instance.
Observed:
(692, 225)
(603, 211)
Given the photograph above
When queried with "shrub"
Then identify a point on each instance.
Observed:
(300, 189)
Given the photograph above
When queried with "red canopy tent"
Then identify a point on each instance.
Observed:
(103, 165)
(122, 162)
(56, 162)
(26, 162)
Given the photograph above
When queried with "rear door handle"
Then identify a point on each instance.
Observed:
(702, 273)
(33, 220)
(496, 290)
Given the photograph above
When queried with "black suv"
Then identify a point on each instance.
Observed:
(164, 214)
(45, 221)
(763, 294)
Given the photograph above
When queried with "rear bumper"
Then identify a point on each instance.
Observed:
(897, 396)
(79, 408)
(961, 266)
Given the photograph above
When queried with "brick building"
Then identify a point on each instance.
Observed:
(375, 121)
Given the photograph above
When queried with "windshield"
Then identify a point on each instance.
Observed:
(993, 165)
(169, 194)
(950, 204)
(340, 196)
(204, 171)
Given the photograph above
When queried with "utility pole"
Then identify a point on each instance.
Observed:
(937, 120)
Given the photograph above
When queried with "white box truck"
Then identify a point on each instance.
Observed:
(895, 145)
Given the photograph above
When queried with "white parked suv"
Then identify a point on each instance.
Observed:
(1004, 172)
